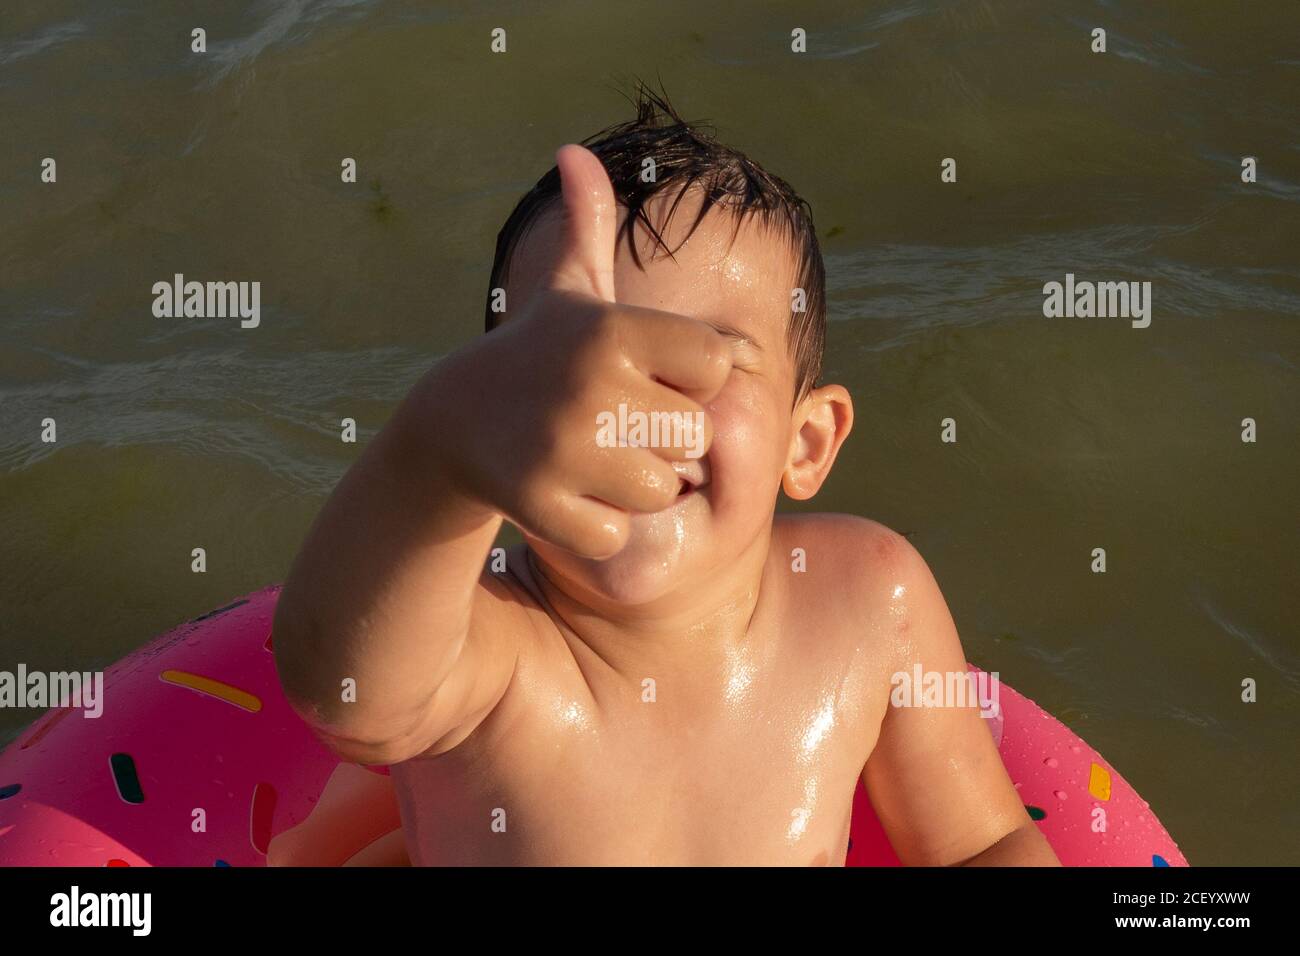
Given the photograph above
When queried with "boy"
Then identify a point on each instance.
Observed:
(658, 676)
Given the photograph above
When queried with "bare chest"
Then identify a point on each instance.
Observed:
(755, 767)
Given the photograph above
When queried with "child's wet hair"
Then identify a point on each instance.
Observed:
(686, 155)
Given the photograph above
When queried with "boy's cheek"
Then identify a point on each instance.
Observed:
(746, 416)
(744, 405)
(730, 426)
(748, 443)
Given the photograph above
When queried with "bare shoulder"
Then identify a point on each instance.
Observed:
(857, 569)
(849, 549)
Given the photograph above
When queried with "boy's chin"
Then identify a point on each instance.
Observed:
(642, 572)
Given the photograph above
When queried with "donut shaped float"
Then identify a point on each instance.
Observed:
(199, 761)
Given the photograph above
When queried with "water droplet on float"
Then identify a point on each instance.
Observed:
(1052, 762)
(1075, 748)
(1060, 794)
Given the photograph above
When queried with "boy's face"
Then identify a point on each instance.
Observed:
(743, 288)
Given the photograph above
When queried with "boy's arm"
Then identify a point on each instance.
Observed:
(389, 588)
(935, 778)
(385, 591)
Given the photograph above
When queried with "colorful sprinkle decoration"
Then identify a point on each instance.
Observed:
(213, 688)
(125, 778)
(1099, 782)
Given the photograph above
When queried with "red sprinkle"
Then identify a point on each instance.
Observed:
(260, 818)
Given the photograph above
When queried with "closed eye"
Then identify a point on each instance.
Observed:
(744, 356)
(745, 352)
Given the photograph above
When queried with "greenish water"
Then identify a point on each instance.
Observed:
(1072, 433)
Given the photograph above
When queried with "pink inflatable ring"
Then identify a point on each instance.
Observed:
(201, 762)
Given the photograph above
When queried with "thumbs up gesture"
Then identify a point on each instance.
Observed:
(515, 417)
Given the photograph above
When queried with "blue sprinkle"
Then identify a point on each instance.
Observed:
(1158, 860)
(221, 863)
(220, 610)
(10, 790)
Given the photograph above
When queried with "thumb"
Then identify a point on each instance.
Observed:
(586, 259)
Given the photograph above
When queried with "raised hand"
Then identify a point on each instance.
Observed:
(530, 396)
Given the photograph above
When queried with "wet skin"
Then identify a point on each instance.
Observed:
(666, 689)
(769, 685)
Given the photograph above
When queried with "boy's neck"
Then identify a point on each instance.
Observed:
(694, 628)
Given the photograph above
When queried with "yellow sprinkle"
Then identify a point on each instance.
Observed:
(1099, 782)
(214, 688)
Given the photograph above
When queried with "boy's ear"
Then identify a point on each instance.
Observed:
(822, 421)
